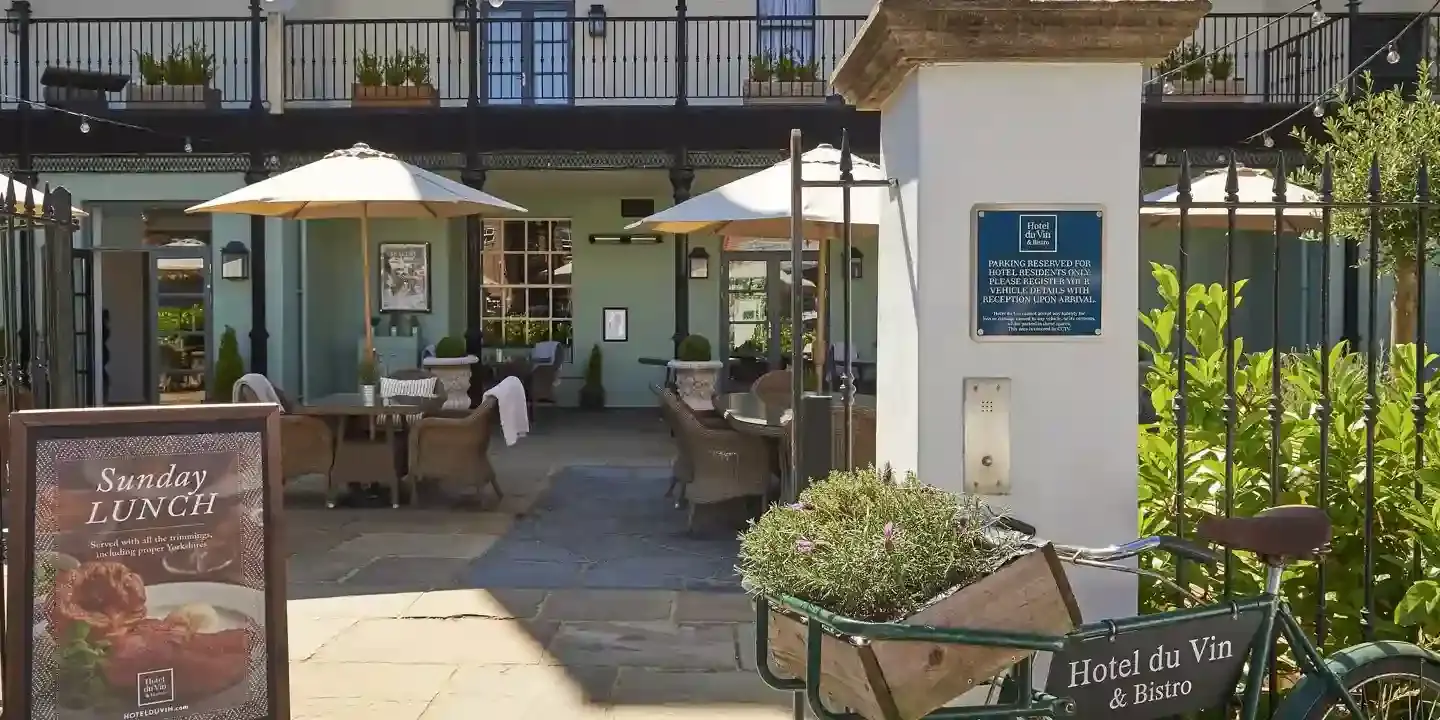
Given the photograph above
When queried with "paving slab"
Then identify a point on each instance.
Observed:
(355, 709)
(622, 605)
(415, 544)
(650, 686)
(713, 607)
(465, 641)
(392, 682)
(411, 573)
(642, 644)
(338, 601)
(579, 685)
(308, 635)
(501, 604)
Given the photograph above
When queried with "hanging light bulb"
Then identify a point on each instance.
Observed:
(188, 147)
(1169, 88)
(1318, 110)
(1269, 141)
(84, 125)
(496, 3)
(1318, 16)
(1392, 55)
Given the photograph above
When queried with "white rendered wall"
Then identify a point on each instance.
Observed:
(1040, 134)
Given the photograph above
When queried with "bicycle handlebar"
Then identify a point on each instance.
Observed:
(1178, 547)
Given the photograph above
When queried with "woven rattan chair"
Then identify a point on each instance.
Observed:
(307, 444)
(863, 445)
(723, 464)
(773, 388)
(456, 448)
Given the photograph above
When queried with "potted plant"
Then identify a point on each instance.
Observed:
(451, 365)
(1190, 79)
(180, 81)
(592, 393)
(401, 80)
(695, 372)
(785, 79)
(369, 374)
(229, 366)
(867, 547)
(1222, 77)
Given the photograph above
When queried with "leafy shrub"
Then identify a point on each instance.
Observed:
(229, 366)
(694, 348)
(867, 547)
(592, 393)
(1401, 522)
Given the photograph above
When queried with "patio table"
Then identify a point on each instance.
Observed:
(340, 407)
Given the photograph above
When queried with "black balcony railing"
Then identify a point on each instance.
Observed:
(529, 58)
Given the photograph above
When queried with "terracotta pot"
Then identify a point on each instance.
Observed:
(777, 92)
(394, 96)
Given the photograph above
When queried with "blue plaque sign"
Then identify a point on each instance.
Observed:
(1037, 273)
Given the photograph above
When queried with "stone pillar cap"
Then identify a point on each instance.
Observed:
(901, 35)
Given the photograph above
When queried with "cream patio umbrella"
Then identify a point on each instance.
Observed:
(358, 182)
(758, 206)
(1256, 186)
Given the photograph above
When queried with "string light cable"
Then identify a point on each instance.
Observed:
(1317, 16)
(1317, 105)
(86, 120)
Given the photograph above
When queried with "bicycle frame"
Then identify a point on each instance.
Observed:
(1274, 611)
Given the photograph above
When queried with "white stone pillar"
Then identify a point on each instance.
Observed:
(1034, 106)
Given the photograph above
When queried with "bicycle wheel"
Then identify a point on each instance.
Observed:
(1389, 681)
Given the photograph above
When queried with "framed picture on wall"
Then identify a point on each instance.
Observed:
(404, 277)
(617, 325)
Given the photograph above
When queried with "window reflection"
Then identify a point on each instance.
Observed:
(526, 268)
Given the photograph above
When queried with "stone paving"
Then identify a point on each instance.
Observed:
(409, 614)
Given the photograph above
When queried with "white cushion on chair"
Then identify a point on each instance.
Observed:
(421, 387)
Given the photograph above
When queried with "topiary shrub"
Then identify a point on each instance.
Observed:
(450, 347)
(229, 366)
(694, 348)
(867, 547)
(592, 393)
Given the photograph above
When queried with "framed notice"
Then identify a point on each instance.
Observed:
(147, 577)
(404, 277)
(1038, 272)
(616, 324)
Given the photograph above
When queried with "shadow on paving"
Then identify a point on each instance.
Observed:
(608, 528)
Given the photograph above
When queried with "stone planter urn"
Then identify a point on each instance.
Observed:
(695, 381)
(453, 377)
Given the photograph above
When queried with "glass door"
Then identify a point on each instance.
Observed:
(180, 285)
(527, 55)
(756, 311)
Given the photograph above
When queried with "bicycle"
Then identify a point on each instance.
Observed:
(1167, 664)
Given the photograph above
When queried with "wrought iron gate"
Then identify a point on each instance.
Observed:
(37, 299)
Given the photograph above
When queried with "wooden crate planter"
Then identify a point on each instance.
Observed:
(172, 97)
(1207, 91)
(890, 680)
(394, 96)
(777, 92)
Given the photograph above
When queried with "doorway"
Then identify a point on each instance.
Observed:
(153, 309)
(755, 313)
(527, 54)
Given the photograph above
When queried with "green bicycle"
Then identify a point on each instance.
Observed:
(1167, 664)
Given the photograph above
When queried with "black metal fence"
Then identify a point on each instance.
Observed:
(534, 57)
(1265, 397)
(39, 317)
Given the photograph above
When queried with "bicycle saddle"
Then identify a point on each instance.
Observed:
(1299, 532)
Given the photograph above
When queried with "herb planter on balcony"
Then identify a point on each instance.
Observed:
(392, 96)
(1208, 91)
(904, 680)
(780, 92)
(172, 97)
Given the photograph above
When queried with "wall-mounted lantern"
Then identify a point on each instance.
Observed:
(699, 264)
(235, 261)
(857, 264)
(460, 14)
(595, 21)
(12, 18)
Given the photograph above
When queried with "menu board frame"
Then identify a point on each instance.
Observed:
(29, 428)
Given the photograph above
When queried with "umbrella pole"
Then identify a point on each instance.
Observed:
(365, 282)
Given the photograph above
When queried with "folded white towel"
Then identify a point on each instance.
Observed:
(514, 416)
(259, 385)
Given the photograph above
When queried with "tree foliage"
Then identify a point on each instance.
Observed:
(1399, 132)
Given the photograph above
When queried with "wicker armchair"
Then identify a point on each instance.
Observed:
(722, 463)
(774, 388)
(862, 431)
(456, 448)
(307, 444)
